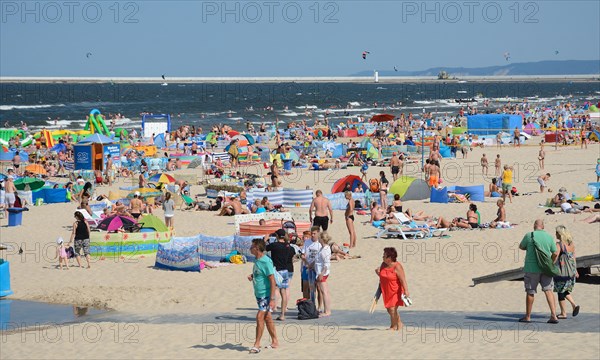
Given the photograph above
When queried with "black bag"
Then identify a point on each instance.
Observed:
(70, 252)
(307, 310)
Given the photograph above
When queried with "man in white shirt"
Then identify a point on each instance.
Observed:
(309, 257)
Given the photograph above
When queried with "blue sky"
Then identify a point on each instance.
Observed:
(199, 38)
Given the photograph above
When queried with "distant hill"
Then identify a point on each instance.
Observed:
(550, 67)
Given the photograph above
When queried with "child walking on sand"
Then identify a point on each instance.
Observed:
(61, 253)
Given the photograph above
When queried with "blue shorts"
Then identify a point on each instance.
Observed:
(304, 273)
(312, 276)
(496, 194)
(263, 304)
(285, 283)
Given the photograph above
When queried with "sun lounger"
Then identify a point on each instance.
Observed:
(89, 218)
(409, 228)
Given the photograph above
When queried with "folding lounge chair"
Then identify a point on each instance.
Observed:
(188, 201)
(402, 219)
(93, 222)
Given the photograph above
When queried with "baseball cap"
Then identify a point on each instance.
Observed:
(280, 233)
(137, 193)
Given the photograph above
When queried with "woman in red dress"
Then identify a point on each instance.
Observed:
(393, 284)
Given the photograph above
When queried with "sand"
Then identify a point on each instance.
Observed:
(165, 314)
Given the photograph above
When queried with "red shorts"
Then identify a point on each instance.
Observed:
(323, 278)
(99, 180)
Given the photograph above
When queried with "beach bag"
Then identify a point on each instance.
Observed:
(566, 268)
(544, 260)
(70, 252)
(307, 310)
(374, 185)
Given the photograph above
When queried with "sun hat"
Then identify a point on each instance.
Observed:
(59, 240)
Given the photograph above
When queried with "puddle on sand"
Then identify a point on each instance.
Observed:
(19, 314)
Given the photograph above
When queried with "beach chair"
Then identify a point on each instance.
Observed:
(188, 201)
(409, 228)
(93, 222)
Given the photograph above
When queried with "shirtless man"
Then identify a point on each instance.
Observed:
(517, 135)
(9, 192)
(238, 209)
(377, 213)
(499, 140)
(395, 165)
(108, 169)
(434, 174)
(542, 181)
(17, 163)
(541, 155)
(484, 165)
(322, 207)
(497, 165)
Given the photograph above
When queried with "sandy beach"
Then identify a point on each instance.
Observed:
(177, 315)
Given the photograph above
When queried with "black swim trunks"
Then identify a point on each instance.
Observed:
(350, 217)
(395, 169)
(474, 225)
(322, 221)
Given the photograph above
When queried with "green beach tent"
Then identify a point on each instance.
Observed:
(410, 188)
(152, 222)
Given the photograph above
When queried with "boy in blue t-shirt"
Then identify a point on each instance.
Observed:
(263, 281)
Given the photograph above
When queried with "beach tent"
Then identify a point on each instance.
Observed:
(491, 124)
(353, 180)
(339, 151)
(372, 152)
(159, 141)
(410, 188)
(152, 222)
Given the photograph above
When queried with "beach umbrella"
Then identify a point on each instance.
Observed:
(145, 193)
(115, 222)
(250, 139)
(232, 133)
(242, 141)
(29, 184)
(162, 178)
(382, 118)
(153, 222)
(36, 169)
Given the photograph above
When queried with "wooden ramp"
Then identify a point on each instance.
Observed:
(584, 262)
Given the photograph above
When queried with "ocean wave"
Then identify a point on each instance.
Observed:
(29, 107)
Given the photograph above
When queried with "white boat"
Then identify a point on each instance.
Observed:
(164, 84)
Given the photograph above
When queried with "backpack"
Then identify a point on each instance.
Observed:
(307, 310)
(374, 185)
(566, 268)
(544, 260)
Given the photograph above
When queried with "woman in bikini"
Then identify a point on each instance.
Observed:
(349, 216)
(383, 189)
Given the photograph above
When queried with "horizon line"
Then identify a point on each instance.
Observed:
(300, 79)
